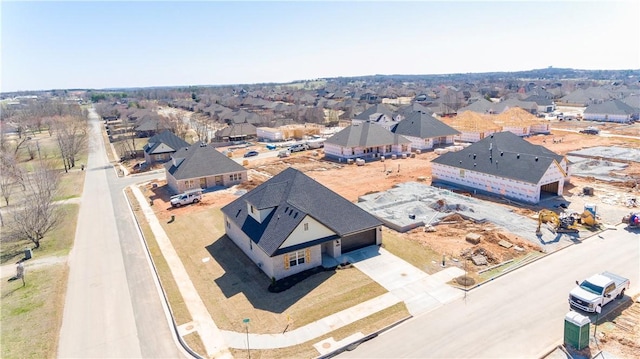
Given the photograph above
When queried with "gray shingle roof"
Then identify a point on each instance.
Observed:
(365, 134)
(613, 107)
(170, 141)
(201, 161)
(379, 108)
(503, 154)
(294, 195)
(422, 125)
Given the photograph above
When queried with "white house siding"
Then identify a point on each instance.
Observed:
(606, 117)
(553, 174)
(541, 128)
(280, 270)
(257, 255)
(268, 133)
(418, 143)
(472, 137)
(335, 151)
(518, 130)
(308, 229)
(258, 214)
(183, 185)
(518, 190)
(273, 267)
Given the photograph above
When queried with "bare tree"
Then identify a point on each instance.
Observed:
(72, 137)
(37, 214)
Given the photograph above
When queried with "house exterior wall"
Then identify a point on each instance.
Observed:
(160, 157)
(258, 214)
(274, 267)
(308, 229)
(541, 128)
(344, 153)
(270, 134)
(418, 143)
(179, 186)
(518, 130)
(518, 190)
(472, 137)
(553, 174)
(606, 117)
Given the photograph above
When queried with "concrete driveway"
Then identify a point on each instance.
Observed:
(419, 291)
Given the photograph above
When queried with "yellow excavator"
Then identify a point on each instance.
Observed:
(560, 224)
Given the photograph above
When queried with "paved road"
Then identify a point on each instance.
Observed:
(112, 307)
(520, 315)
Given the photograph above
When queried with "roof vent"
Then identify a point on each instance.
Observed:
(460, 162)
(474, 156)
(474, 165)
(501, 153)
(536, 159)
(518, 155)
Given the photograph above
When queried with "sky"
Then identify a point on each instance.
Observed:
(119, 44)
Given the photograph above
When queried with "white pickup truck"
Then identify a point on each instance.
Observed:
(598, 290)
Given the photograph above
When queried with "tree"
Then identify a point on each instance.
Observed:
(37, 215)
(72, 137)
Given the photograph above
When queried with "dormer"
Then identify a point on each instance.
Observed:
(258, 214)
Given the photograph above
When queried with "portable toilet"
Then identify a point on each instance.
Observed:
(591, 208)
(576, 330)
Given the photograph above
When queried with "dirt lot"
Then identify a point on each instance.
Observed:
(352, 181)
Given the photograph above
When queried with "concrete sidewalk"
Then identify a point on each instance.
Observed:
(420, 292)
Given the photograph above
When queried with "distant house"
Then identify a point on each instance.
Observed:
(379, 114)
(150, 124)
(236, 132)
(202, 166)
(610, 111)
(424, 131)
(161, 146)
(472, 126)
(367, 141)
(544, 105)
(288, 223)
(506, 165)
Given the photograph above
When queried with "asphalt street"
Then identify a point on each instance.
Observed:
(518, 315)
(113, 307)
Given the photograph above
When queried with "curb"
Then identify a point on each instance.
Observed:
(353, 345)
(156, 279)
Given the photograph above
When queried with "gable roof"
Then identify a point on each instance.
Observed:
(294, 195)
(422, 125)
(163, 142)
(503, 154)
(365, 134)
(200, 160)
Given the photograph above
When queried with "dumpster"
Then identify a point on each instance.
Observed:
(576, 330)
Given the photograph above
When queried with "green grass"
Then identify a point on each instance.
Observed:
(32, 315)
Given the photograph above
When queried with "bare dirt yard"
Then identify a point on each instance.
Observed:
(352, 181)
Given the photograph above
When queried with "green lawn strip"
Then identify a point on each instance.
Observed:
(366, 326)
(69, 184)
(233, 288)
(32, 315)
(415, 253)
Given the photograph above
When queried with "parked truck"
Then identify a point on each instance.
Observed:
(596, 291)
(188, 197)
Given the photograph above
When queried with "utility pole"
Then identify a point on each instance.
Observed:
(246, 325)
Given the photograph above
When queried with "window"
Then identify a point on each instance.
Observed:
(296, 258)
(251, 209)
(235, 177)
(306, 226)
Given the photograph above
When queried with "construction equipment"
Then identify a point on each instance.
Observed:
(632, 220)
(560, 223)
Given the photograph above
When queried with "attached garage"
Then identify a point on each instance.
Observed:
(359, 240)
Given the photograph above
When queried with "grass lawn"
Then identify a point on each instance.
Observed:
(233, 288)
(31, 316)
(419, 256)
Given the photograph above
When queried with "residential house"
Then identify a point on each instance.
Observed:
(202, 166)
(506, 165)
(161, 146)
(379, 114)
(472, 126)
(236, 132)
(288, 223)
(424, 131)
(365, 140)
(610, 111)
